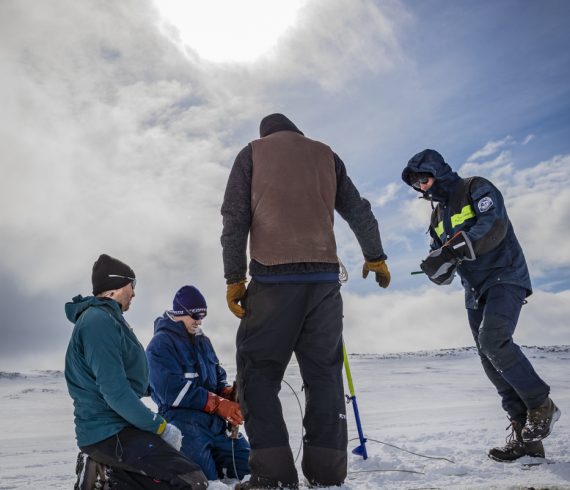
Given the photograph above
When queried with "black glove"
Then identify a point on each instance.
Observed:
(440, 265)
(460, 246)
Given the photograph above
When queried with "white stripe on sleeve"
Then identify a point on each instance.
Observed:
(183, 392)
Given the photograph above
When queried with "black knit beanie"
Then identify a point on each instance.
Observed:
(110, 273)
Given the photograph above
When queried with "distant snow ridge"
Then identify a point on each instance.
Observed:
(5, 375)
(49, 373)
(458, 352)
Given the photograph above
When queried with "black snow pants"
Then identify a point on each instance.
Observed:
(281, 319)
(140, 459)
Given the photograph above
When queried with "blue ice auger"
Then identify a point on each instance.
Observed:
(359, 450)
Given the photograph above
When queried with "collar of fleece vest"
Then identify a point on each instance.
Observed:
(276, 122)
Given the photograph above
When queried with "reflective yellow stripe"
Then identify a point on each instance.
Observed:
(161, 427)
(457, 219)
(439, 229)
(466, 213)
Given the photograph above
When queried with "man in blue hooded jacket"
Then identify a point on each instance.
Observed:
(191, 390)
(471, 235)
(107, 374)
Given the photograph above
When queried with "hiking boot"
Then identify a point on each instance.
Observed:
(516, 448)
(540, 421)
(260, 483)
(91, 475)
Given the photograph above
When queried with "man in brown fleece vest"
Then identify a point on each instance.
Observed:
(281, 194)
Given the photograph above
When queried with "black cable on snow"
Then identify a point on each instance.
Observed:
(405, 450)
(379, 471)
(301, 410)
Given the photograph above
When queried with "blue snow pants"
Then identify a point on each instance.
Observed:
(492, 326)
(213, 452)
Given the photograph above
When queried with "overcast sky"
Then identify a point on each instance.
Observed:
(120, 121)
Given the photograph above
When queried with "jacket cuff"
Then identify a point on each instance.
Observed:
(376, 259)
(235, 278)
(227, 392)
(212, 403)
(161, 427)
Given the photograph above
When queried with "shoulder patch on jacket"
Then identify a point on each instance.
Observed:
(485, 204)
(479, 187)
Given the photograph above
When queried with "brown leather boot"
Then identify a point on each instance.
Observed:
(516, 448)
(540, 421)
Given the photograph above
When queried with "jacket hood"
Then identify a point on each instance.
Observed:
(165, 323)
(79, 304)
(431, 162)
(276, 122)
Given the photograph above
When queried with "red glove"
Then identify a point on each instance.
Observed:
(226, 409)
(227, 392)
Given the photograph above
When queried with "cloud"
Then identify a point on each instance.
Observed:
(335, 41)
(498, 168)
(537, 198)
(491, 148)
(124, 153)
(433, 317)
(112, 142)
(115, 141)
(123, 134)
(538, 203)
(528, 139)
(389, 193)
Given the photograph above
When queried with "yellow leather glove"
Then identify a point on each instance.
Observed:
(380, 268)
(234, 294)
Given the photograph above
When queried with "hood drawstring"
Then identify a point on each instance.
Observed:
(427, 197)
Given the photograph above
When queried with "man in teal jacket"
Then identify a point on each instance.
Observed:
(107, 374)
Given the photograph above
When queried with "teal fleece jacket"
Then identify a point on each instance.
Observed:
(106, 372)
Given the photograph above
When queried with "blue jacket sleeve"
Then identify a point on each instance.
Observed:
(492, 222)
(221, 376)
(102, 349)
(173, 382)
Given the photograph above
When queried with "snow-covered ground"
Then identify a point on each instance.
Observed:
(438, 404)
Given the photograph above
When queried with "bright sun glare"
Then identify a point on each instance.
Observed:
(229, 30)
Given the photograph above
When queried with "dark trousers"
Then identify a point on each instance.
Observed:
(141, 459)
(493, 325)
(305, 319)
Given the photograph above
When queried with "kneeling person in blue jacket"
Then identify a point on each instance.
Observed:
(191, 389)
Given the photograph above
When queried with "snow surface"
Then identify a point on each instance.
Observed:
(436, 403)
